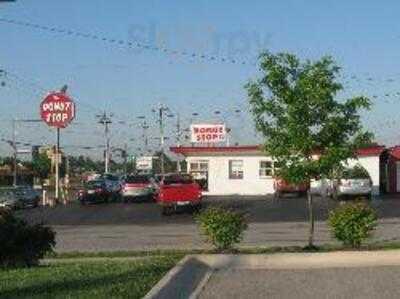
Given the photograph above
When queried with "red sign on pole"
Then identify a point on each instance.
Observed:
(57, 110)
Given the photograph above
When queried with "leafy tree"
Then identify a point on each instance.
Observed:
(41, 164)
(294, 106)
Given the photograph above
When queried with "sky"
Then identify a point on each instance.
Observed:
(193, 57)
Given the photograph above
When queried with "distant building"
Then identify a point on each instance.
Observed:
(247, 170)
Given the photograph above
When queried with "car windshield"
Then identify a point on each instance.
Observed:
(111, 177)
(178, 179)
(356, 172)
(94, 184)
(137, 179)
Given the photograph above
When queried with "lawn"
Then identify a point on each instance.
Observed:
(107, 279)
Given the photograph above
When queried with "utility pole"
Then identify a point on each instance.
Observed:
(145, 126)
(178, 140)
(125, 156)
(161, 109)
(105, 120)
(14, 146)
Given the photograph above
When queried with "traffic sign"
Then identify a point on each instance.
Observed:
(57, 110)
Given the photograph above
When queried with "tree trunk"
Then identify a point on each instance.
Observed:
(310, 219)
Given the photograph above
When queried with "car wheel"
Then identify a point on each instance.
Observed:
(196, 208)
(166, 211)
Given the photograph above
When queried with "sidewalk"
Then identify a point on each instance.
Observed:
(369, 274)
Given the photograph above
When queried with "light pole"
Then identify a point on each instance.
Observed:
(144, 127)
(161, 109)
(105, 120)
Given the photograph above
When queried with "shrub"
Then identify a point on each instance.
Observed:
(223, 228)
(22, 244)
(352, 223)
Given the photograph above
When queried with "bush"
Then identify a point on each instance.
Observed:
(223, 228)
(22, 244)
(352, 223)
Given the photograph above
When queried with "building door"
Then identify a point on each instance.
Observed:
(398, 176)
(199, 170)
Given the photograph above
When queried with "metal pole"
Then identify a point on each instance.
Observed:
(178, 140)
(126, 158)
(57, 166)
(161, 109)
(107, 148)
(14, 145)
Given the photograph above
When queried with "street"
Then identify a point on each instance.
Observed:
(140, 226)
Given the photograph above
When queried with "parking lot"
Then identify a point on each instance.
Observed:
(140, 226)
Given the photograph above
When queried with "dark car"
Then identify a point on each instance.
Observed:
(94, 192)
(19, 197)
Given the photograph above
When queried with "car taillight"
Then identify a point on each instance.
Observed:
(99, 190)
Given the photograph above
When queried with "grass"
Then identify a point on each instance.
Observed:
(105, 279)
(382, 245)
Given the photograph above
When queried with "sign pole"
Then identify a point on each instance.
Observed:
(57, 166)
(57, 110)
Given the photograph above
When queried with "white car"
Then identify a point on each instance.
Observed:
(353, 187)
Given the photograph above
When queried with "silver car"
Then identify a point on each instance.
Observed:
(353, 187)
(353, 182)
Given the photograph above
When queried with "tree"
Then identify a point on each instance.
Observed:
(41, 164)
(294, 106)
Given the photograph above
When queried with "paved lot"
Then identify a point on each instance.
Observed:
(140, 226)
(364, 282)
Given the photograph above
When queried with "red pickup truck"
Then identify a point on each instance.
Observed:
(178, 190)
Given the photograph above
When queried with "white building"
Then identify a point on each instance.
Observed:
(247, 170)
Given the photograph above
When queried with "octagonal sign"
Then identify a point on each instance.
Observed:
(57, 110)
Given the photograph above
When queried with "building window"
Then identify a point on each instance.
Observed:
(199, 171)
(266, 169)
(235, 169)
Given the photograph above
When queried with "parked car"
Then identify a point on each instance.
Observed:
(178, 190)
(9, 200)
(30, 197)
(19, 197)
(137, 186)
(94, 192)
(281, 186)
(113, 183)
(353, 182)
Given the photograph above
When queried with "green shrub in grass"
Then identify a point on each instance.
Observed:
(352, 223)
(223, 228)
(22, 244)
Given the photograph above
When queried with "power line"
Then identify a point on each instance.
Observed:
(120, 42)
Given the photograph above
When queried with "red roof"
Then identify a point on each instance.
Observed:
(214, 149)
(395, 151)
(375, 150)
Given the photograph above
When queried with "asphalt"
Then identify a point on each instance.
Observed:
(364, 282)
(140, 226)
